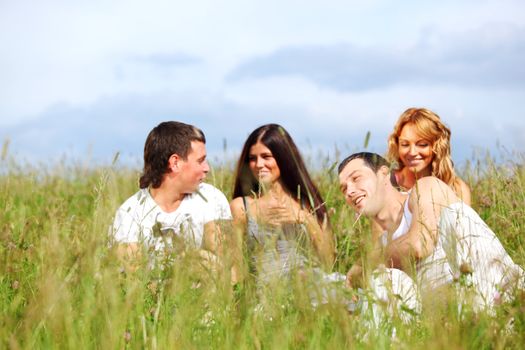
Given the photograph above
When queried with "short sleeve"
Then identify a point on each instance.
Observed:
(218, 207)
(125, 229)
(223, 207)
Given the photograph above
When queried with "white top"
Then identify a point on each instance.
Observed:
(140, 219)
(467, 240)
(464, 239)
(403, 227)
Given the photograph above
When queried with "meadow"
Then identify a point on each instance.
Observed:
(61, 285)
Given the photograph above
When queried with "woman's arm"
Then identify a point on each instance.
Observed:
(427, 199)
(462, 191)
(321, 237)
(235, 245)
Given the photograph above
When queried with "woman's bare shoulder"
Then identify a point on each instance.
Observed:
(430, 189)
(237, 207)
(463, 191)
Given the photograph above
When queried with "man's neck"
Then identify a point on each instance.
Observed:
(391, 214)
(168, 199)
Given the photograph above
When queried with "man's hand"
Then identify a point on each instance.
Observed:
(129, 254)
(354, 277)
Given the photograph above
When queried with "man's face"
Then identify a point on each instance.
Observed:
(360, 186)
(193, 170)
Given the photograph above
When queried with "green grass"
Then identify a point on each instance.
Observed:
(61, 285)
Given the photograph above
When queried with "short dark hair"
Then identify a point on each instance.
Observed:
(164, 140)
(294, 175)
(372, 160)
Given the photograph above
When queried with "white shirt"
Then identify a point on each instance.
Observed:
(141, 220)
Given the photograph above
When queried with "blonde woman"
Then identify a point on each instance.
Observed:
(420, 145)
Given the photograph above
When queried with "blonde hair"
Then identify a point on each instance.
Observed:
(429, 126)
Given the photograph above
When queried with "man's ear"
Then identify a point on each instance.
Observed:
(174, 162)
(384, 170)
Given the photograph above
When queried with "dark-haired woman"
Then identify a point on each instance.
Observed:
(277, 207)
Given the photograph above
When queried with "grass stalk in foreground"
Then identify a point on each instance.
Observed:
(62, 287)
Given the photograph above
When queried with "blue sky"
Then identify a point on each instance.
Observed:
(93, 77)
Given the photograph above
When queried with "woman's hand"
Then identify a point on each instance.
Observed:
(278, 212)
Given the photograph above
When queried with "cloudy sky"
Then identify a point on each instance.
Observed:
(90, 78)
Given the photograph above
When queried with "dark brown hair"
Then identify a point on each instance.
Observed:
(372, 160)
(294, 176)
(164, 140)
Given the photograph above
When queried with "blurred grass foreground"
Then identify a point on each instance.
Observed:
(61, 285)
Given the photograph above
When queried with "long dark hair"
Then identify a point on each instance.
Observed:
(294, 176)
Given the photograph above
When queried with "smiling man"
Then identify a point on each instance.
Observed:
(431, 228)
(173, 206)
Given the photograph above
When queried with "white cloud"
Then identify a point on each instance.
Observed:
(480, 58)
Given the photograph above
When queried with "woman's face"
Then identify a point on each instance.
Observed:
(262, 164)
(415, 152)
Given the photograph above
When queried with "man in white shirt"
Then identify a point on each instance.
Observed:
(173, 205)
(431, 229)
